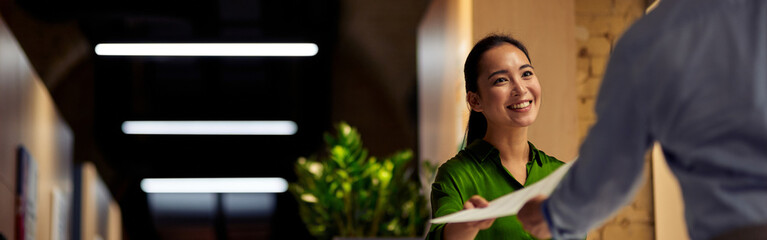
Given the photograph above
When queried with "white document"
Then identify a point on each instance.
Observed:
(508, 204)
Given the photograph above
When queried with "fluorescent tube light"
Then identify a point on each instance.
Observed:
(214, 185)
(210, 127)
(208, 49)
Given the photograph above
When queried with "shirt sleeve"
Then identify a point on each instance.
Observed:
(608, 171)
(445, 199)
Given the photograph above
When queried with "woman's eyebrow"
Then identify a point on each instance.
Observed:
(497, 72)
(526, 65)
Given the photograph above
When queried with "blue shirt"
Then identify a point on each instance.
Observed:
(692, 75)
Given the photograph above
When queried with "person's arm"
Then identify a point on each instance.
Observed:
(468, 230)
(446, 199)
(608, 170)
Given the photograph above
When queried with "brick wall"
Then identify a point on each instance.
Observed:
(599, 24)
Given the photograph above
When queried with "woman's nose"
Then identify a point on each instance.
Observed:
(517, 88)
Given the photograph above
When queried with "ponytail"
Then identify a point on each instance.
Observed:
(477, 127)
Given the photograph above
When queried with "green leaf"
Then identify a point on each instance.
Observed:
(338, 154)
(342, 175)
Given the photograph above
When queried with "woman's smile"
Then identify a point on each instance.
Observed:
(521, 107)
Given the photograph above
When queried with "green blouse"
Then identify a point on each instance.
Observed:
(477, 170)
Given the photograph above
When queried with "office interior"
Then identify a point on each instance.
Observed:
(390, 69)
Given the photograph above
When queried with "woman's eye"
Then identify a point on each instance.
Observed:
(527, 73)
(499, 80)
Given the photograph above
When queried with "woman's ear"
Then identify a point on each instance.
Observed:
(474, 102)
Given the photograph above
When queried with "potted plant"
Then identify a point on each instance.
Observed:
(351, 194)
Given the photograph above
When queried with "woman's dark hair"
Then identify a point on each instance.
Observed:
(477, 123)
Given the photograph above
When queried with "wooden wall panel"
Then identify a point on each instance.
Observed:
(28, 117)
(6, 211)
(9, 106)
(115, 222)
(100, 213)
(444, 40)
(9, 128)
(50, 142)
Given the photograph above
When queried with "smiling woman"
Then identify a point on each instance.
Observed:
(504, 94)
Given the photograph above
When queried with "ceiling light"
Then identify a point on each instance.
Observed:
(214, 185)
(210, 127)
(208, 49)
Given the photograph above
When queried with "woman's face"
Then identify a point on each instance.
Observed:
(509, 92)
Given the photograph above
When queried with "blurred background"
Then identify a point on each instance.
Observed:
(392, 69)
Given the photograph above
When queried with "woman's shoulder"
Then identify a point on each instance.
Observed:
(544, 158)
(453, 170)
(459, 162)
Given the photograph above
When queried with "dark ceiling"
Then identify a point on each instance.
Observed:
(203, 88)
(349, 79)
(213, 88)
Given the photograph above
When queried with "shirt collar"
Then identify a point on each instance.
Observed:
(483, 150)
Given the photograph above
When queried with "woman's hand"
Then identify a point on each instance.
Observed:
(468, 230)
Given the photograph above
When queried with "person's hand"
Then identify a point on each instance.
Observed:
(469, 230)
(477, 201)
(532, 218)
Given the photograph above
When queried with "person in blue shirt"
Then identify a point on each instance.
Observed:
(691, 75)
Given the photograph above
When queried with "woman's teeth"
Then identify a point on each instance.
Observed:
(521, 105)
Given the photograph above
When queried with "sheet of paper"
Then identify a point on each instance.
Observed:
(508, 204)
